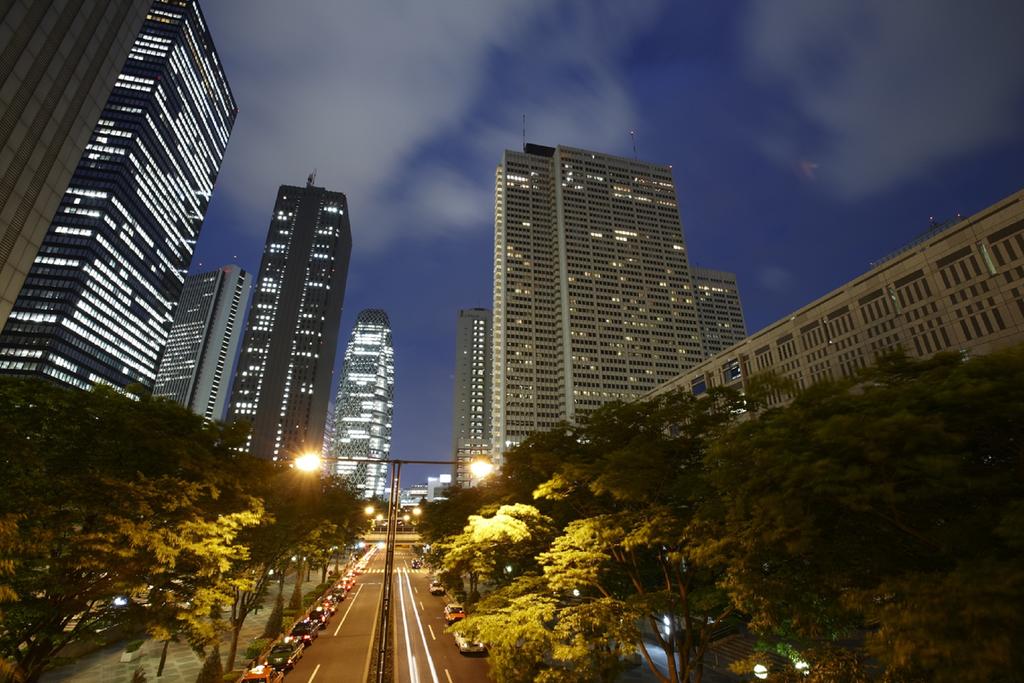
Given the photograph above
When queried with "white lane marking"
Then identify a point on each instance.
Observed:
(351, 602)
(313, 675)
(422, 607)
(423, 637)
(414, 674)
(448, 676)
(416, 589)
(431, 632)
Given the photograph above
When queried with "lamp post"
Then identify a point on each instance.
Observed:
(313, 462)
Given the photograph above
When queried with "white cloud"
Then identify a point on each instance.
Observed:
(358, 90)
(890, 88)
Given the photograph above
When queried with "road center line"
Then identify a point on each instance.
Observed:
(448, 676)
(433, 637)
(423, 637)
(313, 675)
(422, 608)
(345, 616)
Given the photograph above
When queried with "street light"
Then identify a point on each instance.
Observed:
(481, 468)
(307, 462)
(416, 511)
(368, 510)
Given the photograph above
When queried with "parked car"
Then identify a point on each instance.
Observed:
(306, 631)
(436, 587)
(467, 646)
(320, 616)
(417, 564)
(283, 656)
(453, 612)
(262, 674)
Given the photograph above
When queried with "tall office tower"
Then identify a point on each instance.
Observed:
(328, 448)
(365, 403)
(98, 301)
(471, 405)
(719, 312)
(59, 62)
(197, 364)
(283, 379)
(592, 293)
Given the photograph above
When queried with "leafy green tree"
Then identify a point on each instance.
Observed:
(892, 501)
(115, 495)
(495, 548)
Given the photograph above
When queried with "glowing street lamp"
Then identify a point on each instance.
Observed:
(761, 671)
(369, 510)
(307, 462)
(481, 468)
(417, 511)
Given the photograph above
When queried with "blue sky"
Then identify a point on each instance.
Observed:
(807, 138)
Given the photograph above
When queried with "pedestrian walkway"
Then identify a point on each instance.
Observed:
(182, 665)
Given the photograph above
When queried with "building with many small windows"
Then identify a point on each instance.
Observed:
(719, 312)
(471, 402)
(959, 288)
(97, 304)
(61, 59)
(283, 379)
(197, 365)
(365, 403)
(593, 298)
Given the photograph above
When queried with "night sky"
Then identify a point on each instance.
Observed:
(807, 138)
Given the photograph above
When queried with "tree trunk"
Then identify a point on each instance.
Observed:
(323, 572)
(236, 630)
(163, 659)
(296, 600)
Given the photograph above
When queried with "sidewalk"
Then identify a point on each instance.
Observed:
(182, 665)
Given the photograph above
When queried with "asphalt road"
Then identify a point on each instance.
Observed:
(341, 653)
(423, 653)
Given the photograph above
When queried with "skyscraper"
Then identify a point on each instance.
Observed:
(98, 301)
(196, 367)
(719, 311)
(592, 293)
(471, 403)
(283, 379)
(60, 60)
(365, 403)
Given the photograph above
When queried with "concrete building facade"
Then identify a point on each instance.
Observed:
(58, 65)
(593, 299)
(98, 301)
(471, 402)
(283, 380)
(198, 362)
(719, 311)
(959, 289)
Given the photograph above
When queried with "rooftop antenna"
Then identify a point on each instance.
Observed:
(632, 136)
(311, 179)
(524, 132)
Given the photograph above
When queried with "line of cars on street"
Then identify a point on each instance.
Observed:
(283, 656)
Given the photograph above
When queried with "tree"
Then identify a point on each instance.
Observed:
(892, 501)
(115, 495)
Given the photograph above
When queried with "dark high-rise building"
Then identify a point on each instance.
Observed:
(365, 404)
(196, 368)
(471, 402)
(719, 312)
(283, 380)
(98, 301)
(59, 61)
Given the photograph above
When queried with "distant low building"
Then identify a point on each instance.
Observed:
(960, 289)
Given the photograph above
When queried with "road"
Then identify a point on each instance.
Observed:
(423, 652)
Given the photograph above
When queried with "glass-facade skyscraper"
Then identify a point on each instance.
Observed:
(60, 61)
(99, 298)
(283, 379)
(365, 403)
(196, 368)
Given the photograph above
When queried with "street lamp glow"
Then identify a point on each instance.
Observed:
(761, 671)
(380, 518)
(369, 510)
(481, 468)
(416, 510)
(406, 518)
(307, 462)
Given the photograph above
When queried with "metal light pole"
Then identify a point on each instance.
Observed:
(311, 462)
